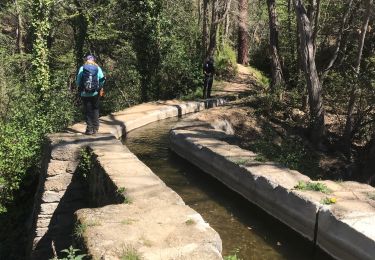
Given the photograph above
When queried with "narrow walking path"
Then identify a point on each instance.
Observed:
(244, 82)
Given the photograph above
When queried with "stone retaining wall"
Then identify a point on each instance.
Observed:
(346, 229)
(152, 209)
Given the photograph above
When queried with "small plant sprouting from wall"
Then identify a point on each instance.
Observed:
(313, 186)
(241, 161)
(121, 190)
(79, 229)
(328, 200)
(371, 195)
(233, 255)
(84, 166)
(128, 200)
(190, 222)
(71, 254)
(121, 195)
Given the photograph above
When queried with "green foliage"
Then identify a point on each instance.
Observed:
(123, 80)
(260, 77)
(233, 255)
(79, 230)
(290, 152)
(41, 25)
(193, 95)
(71, 254)
(84, 166)
(313, 186)
(225, 62)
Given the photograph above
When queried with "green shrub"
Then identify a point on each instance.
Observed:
(225, 62)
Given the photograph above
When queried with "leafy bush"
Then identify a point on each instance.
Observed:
(225, 62)
(122, 87)
(23, 129)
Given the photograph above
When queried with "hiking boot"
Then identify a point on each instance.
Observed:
(96, 130)
(89, 132)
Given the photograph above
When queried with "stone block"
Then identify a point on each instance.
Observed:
(48, 208)
(58, 183)
(56, 167)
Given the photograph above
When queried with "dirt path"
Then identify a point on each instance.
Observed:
(244, 82)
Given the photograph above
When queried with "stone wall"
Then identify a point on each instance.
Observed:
(60, 194)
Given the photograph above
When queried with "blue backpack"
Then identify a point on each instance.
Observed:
(90, 82)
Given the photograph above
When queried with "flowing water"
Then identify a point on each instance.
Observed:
(243, 227)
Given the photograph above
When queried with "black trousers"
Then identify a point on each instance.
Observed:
(91, 109)
(207, 85)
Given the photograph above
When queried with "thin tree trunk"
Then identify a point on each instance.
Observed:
(213, 29)
(19, 43)
(291, 43)
(80, 34)
(277, 74)
(339, 41)
(317, 127)
(243, 33)
(204, 27)
(199, 5)
(226, 28)
(218, 16)
(348, 131)
(316, 24)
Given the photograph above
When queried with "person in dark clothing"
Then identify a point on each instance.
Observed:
(208, 70)
(90, 80)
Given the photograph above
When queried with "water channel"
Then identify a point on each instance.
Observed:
(243, 227)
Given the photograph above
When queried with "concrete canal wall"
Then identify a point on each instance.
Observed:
(135, 213)
(345, 229)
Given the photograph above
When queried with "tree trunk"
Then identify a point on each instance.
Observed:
(313, 13)
(277, 74)
(348, 131)
(204, 28)
(218, 16)
(243, 33)
(226, 27)
(80, 34)
(42, 25)
(338, 42)
(316, 24)
(291, 42)
(317, 127)
(213, 28)
(19, 44)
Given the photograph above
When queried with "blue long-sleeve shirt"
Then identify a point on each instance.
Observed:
(100, 79)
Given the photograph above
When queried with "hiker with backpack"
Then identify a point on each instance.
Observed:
(208, 70)
(90, 80)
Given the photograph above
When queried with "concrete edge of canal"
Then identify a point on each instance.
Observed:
(345, 230)
(135, 213)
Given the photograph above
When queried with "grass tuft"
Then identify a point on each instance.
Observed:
(130, 253)
(313, 186)
(189, 222)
